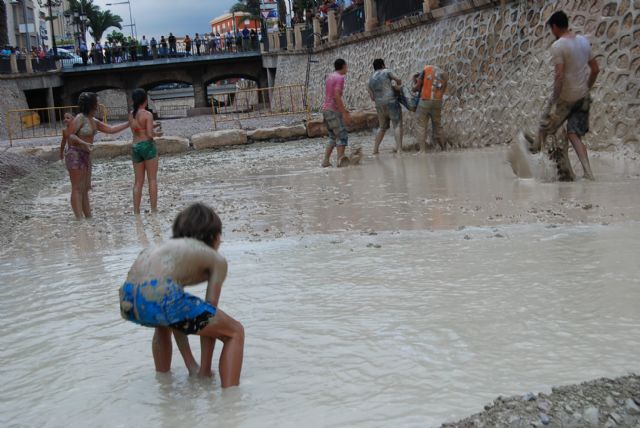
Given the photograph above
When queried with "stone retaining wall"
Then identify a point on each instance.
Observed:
(498, 62)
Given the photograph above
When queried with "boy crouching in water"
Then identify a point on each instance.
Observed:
(153, 296)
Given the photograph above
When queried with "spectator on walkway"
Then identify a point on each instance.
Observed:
(228, 39)
(246, 38)
(99, 54)
(187, 45)
(217, 42)
(164, 50)
(107, 52)
(239, 41)
(125, 50)
(145, 47)
(173, 50)
(92, 53)
(255, 42)
(116, 52)
(198, 42)
(154, 47)
(133, 49)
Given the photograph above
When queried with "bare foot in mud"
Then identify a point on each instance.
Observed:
(194, 371)
(343, 161)
(200, 373)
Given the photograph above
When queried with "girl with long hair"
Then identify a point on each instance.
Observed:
(80, 137)
(143, 152)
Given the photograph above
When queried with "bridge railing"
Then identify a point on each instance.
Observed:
(244, 104)
(35, 123)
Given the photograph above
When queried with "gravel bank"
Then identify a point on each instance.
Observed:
(599, 403)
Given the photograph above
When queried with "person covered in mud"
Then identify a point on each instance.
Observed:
(335, 115)
(143, 151)
(388, 108)
(576, 71)
(153, 295)
(81, 133)
(431, 83)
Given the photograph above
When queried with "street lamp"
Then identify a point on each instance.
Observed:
(131, 24)
(51, 4)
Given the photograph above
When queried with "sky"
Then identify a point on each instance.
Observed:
(159, 17)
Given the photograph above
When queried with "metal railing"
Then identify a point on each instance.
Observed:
(125, 54)
(352, 21)
(243, 104)
(26, 124)
(389, 11)
(38, 65)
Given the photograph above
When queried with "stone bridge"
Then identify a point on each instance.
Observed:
(197, 71)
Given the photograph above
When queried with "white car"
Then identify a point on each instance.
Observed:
(68, 58)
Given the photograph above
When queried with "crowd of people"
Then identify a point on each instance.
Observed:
(36, 52)
(130, 49)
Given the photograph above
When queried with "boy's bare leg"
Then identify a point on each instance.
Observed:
(581, 151)
(185, 350)
(231, 333)
(161, 349)
(207, 345)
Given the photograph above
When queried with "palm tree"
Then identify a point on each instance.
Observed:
(101, 21)
(4, 28)
(83, 6)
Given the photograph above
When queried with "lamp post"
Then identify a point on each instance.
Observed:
(51, 4)
(131, 24)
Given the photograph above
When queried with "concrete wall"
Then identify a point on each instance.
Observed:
(498, 62)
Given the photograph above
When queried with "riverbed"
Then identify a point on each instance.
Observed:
(409, 290)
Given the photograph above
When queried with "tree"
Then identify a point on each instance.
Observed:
(251, 6)
(101, 21)
(83, 6)
(116, 36)
(4, 28)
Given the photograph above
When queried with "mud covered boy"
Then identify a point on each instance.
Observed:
(153, 296)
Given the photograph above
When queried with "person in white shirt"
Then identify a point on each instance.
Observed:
(576, 71)
(145, 47)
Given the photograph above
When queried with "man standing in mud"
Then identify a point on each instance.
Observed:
(576, 71)
(431, 83)
(335, 114)
(383, 94)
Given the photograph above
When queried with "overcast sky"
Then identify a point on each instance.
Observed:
(159, 17)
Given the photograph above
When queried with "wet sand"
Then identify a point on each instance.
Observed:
(409, 290)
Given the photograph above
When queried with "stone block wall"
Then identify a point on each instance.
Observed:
(498, 62)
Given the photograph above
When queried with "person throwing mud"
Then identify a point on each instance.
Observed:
(153, 296)
(384, 95)
(576, 71)
(431, 83)
(335, 115)
(143, 151)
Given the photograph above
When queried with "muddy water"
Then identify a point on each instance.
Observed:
(366, 306)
